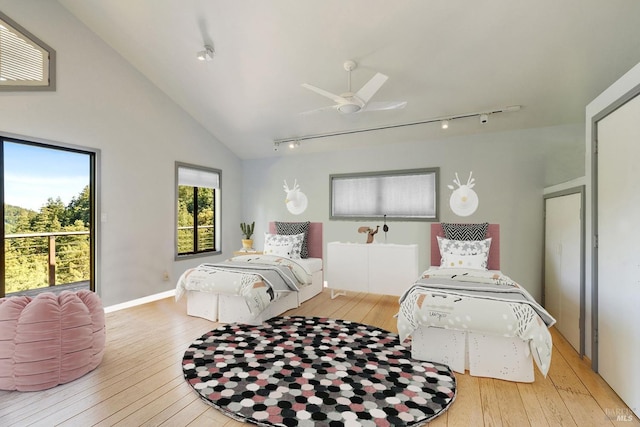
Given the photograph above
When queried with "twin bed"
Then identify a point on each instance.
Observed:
(464, 312)
(256, 287)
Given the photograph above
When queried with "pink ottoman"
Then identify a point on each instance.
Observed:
(50, 339)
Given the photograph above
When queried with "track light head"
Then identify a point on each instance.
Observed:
(444, 124)
(206, 54)
(484, 118)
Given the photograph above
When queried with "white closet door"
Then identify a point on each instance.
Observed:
(618, 251)
(562, 264)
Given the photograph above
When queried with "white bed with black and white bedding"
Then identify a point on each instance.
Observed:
(253, 288)
(464, 312)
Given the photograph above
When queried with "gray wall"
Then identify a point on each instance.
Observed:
(511, 170)
(103, 103)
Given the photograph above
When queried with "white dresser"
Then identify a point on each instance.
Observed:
(375, 268)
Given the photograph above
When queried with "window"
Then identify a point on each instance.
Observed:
(26, 63)
(48, 226)
(402, 195)
(197, 210)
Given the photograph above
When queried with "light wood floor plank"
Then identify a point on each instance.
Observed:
(535, 412)
(608, 400)
(466, 409)
(512, 410)
(553, 407)
(490, 403)
(140, 380)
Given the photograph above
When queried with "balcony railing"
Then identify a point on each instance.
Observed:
(39, 260)
(185, 238)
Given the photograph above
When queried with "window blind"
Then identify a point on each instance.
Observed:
(198, 178)
(23, 61)
(397, 194)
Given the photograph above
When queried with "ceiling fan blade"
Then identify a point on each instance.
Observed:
(379, 106)
(336, 98)
(371, 87)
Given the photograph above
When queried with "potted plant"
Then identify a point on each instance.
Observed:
(247, 232)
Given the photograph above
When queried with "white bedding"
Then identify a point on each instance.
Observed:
(310, 265)
(259, 279)
(477, 301)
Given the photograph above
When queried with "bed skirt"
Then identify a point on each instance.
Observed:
(482, 355)
(233, 309)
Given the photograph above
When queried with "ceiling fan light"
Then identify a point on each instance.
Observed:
(349, 108)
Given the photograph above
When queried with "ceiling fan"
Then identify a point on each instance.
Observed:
(349, 102)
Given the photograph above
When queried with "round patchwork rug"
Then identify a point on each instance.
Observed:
(308, 371)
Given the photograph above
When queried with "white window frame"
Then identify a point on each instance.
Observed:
(383, 189)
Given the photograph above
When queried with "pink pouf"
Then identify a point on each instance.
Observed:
(50, 339)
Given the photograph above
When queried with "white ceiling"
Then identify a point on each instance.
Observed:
(444, 57)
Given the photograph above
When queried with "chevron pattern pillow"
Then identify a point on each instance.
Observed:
(465, 231)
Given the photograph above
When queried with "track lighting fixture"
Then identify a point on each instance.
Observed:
(206, 54)
(444, 123)
(291, 144)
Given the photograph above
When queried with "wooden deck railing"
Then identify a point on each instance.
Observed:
(63, 255)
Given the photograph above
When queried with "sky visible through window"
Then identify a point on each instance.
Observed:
(33, 174)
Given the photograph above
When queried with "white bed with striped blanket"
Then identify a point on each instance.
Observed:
(475, 319)
(247, 288)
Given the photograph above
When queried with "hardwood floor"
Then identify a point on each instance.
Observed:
(140, 379)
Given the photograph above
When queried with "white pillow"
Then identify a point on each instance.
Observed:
(283, 245)
(476, 262)
(463, 247)
(449, 248)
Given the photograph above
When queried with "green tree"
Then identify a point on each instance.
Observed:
(26, 258)
(79, 209)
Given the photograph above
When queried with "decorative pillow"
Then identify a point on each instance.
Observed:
(283, 245)
(465, 231)
(292, 228)
(278, 248)
(464, 248)
(478, 261)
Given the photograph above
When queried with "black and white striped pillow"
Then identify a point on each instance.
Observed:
(465, 231)
(289, 228)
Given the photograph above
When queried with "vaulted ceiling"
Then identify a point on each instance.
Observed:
(443, 57)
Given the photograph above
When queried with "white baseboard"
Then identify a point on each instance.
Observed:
(140, 301)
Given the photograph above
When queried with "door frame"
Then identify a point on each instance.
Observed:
(581, 189)
(595, 119)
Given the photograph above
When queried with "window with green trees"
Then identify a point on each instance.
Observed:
(198, 210)
(47, 217)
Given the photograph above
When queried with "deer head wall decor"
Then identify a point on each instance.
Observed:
(463, 201)
(296, 200)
